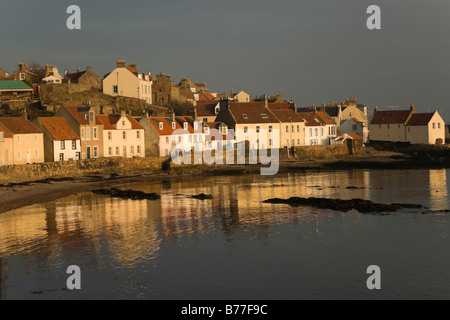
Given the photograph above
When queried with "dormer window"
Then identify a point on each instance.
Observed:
(91, 116)
(244, 116)
(217, 110)
(195, 125)
(161, 126)
(173, 125)
(185, 125)
(264, 116)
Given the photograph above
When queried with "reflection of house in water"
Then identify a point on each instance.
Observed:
(438, 189)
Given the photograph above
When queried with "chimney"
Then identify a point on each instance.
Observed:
(375, 109)
(123, 113)
(78, 70)
(172, 116)
(266, 102)
(120, 64)
(88, 68)
(195, 113)
(133, 65)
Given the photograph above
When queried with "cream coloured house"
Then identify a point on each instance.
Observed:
(251, 122)
(242, 96)
(292, 128)
(425, 128)
(126, 81)
(123, 136)
(6, 147)
(27, 141)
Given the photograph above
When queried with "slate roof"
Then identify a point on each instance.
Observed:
(311, 119)
(251, 112)
(420, 119)
(390, 117)
(287, 115)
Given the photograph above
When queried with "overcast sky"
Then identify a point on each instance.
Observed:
(315, 51)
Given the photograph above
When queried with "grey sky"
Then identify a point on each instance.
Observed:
(316, 51)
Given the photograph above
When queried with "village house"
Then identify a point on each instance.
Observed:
(26, 73)
(14, 90)
(241, 96)
(86, 79)
(123, 136)
(425, 128)
(251, 122)
(292, 128)
(3, 74)
(126, 81)
(354, 126)
(61, 143)
(317, 131)
(216, 135)
(6, 147)
(27, 141)
(206, 112)
(84, 122)
(389, 125)
(160, 138)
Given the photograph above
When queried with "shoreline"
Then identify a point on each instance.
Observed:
(22, 194)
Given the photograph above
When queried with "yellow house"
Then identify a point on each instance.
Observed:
(292, 128)
(6, 147)
(126, 81)
(27, 141)
(389, 125)
(123, 136)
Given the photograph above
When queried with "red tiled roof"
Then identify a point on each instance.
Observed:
(75, 112)
(201, 85)
(325, 117)
(58, 128)
(287, 115)
(187, 94)
(354, 136)
(390, 117)
(5, 132)
(190, 121)
(18, 125)
(312, 119)
(251, 112)
(206, 109)
(167, 125)
(110, 121)
(278, 106)
(420, 119)
(132, 70)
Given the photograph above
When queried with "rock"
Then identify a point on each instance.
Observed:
(202, 196)
(363, 206)
(127, 194)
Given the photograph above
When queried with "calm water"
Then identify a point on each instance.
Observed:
(234, 246)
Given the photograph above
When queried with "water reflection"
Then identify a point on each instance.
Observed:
(104, 232)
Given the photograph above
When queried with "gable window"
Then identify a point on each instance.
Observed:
(91, 116)
(115, 89)
(185, 126)
(434, 125)
(173, 125)
(205, 119)
(439, 125)
(161, 125)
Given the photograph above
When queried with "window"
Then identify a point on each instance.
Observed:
(110, 151)
(36, 139)
(138, 149)
(95, 134)
(117, 151)
(132, 150)
(270, 142)
(205, 119)
(138, 134)
(316, 131)
(195, 125)
(19, 140)
(185, 126)
(123, 123)
(28, 136)
(82, 133)
(292, 128)
(298, 142)
(173, 125)
(95, 152)
(439, 125)
(167, 139)
(310, 132)
(124, 135)
(434, 125)
(354, 127)
(244, 116)
(115, 89)
(389, 126)
(287, 129)
(321, 132)
(61, 157)
(88, 133)
(109, 136)
(91, 116)
(264, 116)
(298, 128)
(245, 129)
(2, 136)
(258, 128)
(270, 129)
(63, 145)
(399, 126)
(19, 155)
(37, 154)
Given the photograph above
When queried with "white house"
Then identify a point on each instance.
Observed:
(354, 125)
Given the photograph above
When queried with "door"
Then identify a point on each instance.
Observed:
(88, 152)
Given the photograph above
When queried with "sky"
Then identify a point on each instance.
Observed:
(316, 51)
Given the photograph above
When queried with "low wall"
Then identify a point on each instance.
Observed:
(38, 171)
(350, 147)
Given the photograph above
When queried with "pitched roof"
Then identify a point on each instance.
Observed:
(420, 119)
(390, 117)
(251, 112)
(14, 85)
(325, 117)
(354, 136)
(76, 112)
(206, 109)
(167, 125)
(5, 132)
(18, 125)
(58, 128)
(279, 106)
(74, 77)
(110, 121)
(287, 115)
(311, 119)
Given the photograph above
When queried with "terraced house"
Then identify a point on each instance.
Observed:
(6, 147)
(27, 141)
(61, 143)
(84, 122)
(123, 136)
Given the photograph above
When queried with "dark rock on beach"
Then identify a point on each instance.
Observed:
(202, 196)
(363, 206)
(127, 194)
